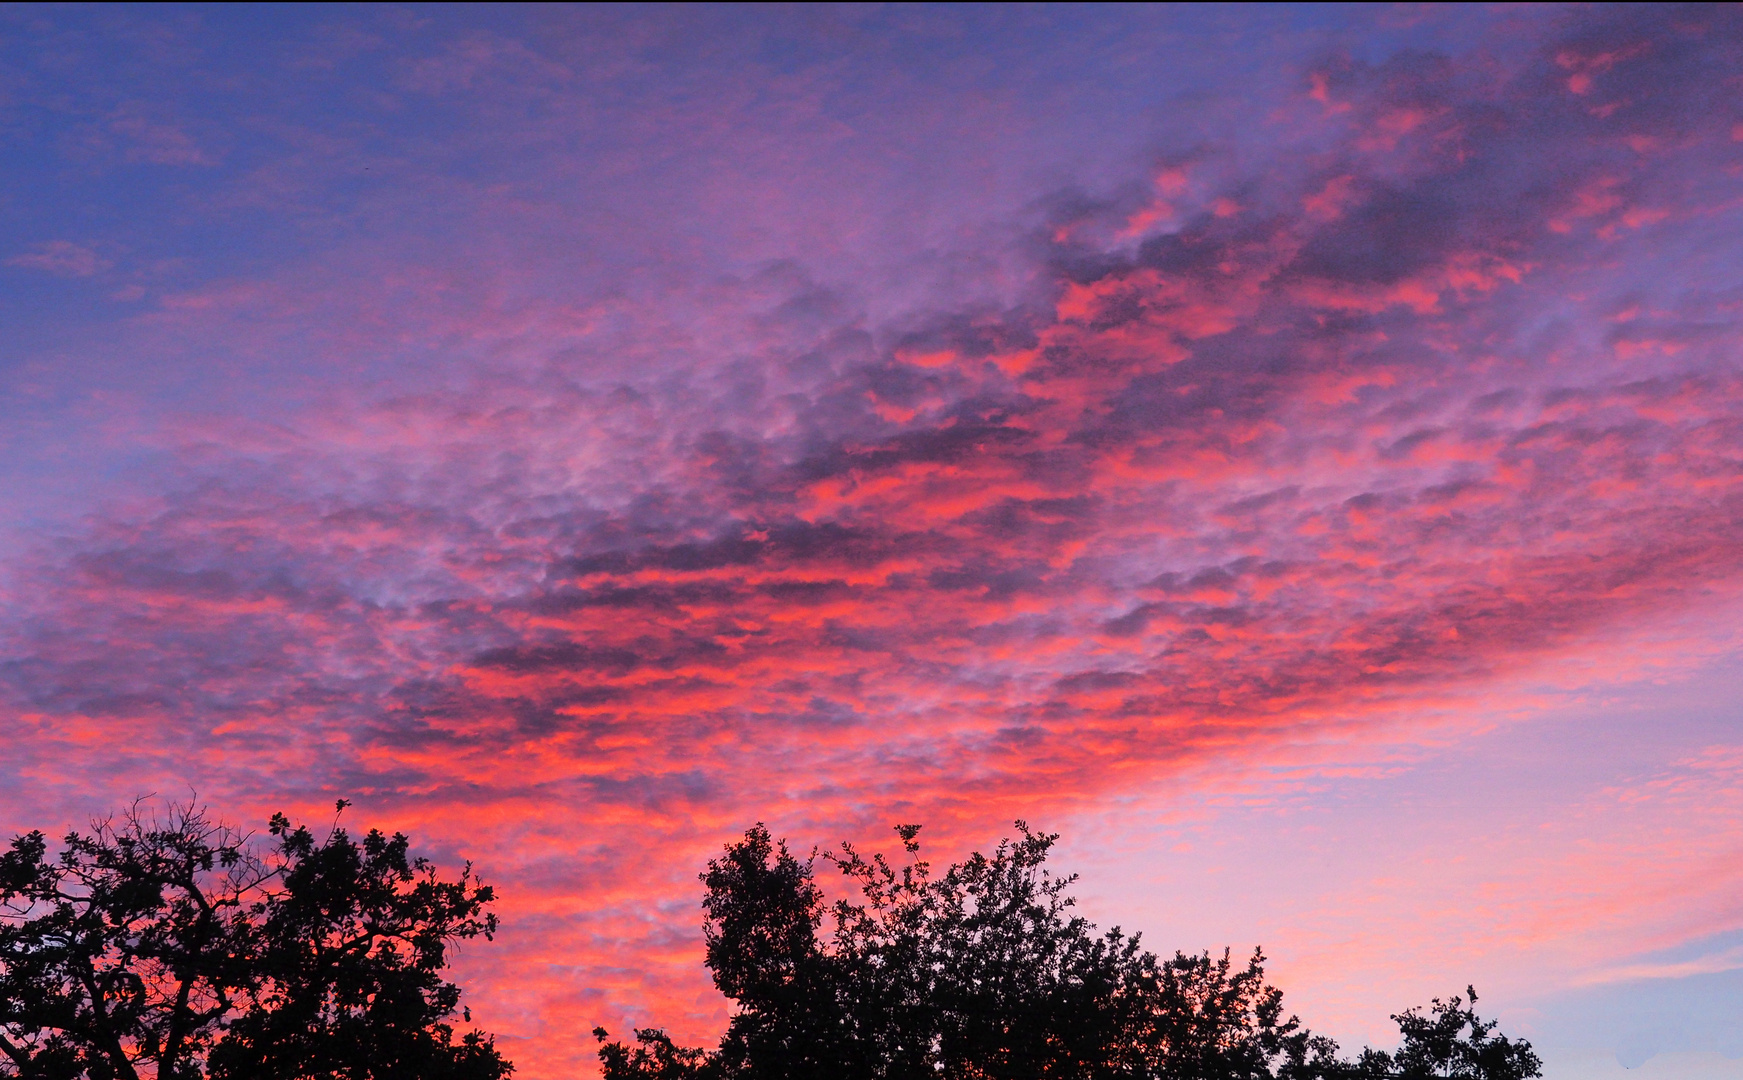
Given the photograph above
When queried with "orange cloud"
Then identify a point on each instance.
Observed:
(1287, 473)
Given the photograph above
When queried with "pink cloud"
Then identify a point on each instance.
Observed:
(155, 141)
(627, 575)
(63, 258)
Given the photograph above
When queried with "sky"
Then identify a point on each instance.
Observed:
(1294, 453)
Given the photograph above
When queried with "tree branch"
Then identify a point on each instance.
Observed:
(17, 1054)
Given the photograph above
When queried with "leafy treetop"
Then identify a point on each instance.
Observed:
(169, 946)
(986, 972)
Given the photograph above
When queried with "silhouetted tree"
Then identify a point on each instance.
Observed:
(985, 972)
(177, 948)
(1438, 1046)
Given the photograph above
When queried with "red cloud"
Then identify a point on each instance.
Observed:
(1300, 467)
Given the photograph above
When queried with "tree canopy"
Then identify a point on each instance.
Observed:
(984, 971)
(166, 945)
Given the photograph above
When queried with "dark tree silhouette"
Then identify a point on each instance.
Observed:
(984, 972)
(1437, 1045)
(170, 946)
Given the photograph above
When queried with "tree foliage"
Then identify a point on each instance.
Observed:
(170, 946)
(1450, 1041)
(984, 971)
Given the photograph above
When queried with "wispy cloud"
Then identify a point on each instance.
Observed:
(63, 258)
(156, 141)
(1729, 960)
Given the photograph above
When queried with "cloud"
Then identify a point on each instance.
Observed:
(1727, 960)
(1309, 450)
(62, 258)
(155, 141)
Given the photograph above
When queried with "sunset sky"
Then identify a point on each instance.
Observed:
(1294, 453)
